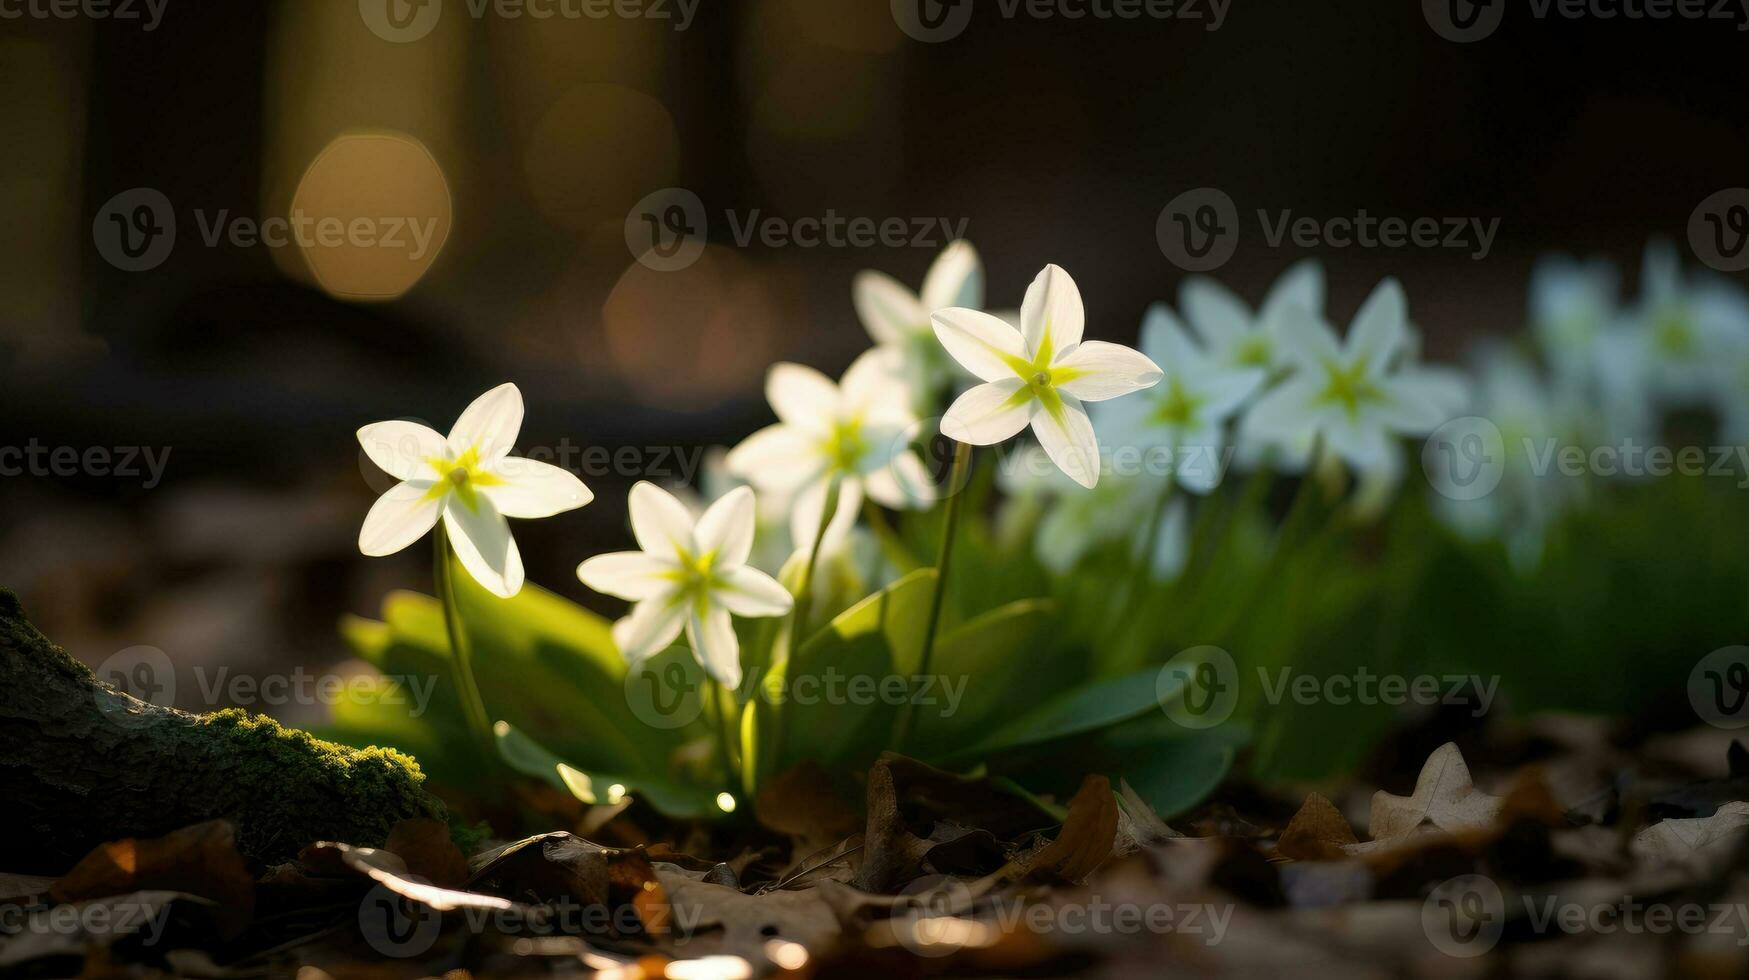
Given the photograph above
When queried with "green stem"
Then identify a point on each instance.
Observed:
(722, 702)
(892, 546)
(473, 705)
(799, 617)
(962, 459)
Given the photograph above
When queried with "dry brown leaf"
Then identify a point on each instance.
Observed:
(1318, 832)
(200, 860)
(1700, 843)
(1087, 838)
(713, 920)
(802, 804)
(429, 852)
(1444, 796)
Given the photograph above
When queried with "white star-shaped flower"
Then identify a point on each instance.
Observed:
(1233, 336)
(1040, 374)
(857, 431)
(1356, 395)
(471, 481)
(690, 575)
(897, 318)
(1186, 414)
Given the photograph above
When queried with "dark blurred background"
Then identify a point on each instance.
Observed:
(531, 139)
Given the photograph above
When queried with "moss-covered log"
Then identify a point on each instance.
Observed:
(82, 763)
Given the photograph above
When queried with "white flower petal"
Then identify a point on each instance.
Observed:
(651, 628)
(399, 518)
(1301, 286)
(874, 388)
(888, 310)
(1066, 436)
(748, 591)
(1381, 328)
(903, 484)
(726, 529)
(403, 450)
(1419, 400)
(982, 344)
(955, 279)
(989, 413)
(1222, 393)
(662, 524)
(482, 542)
(1307, 340)
(778, 457)
(807, 508)
(802, 397)
(629, 575)
(532, 488)
(1051, 314)
(714, 644)
(1107, 371)
(1361, 442)
(1285, 414)
(490, 424)
(1167, 344)
(1219, 318)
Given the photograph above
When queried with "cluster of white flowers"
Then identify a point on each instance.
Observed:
(1601, 372)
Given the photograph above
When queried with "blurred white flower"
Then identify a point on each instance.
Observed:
(471, 481)
(1354, 397)
(689, 574)
(1184, 417)
(1236, 338)
(898, 318)
(1535, 420)
(1039, 374)
(1076, 519)
(1685, 329)
(857, 431)
(1572, 303)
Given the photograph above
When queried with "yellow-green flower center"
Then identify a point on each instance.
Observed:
(1178, 407)
(1674, 335)
(462, 476)
(1253, 351)
(1349, 386)
(846, 446)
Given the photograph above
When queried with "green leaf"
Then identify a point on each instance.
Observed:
(829, 711)
(677, 800)
(988, 669)
(1087, 708)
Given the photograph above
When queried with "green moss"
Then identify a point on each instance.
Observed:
(286, 787)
